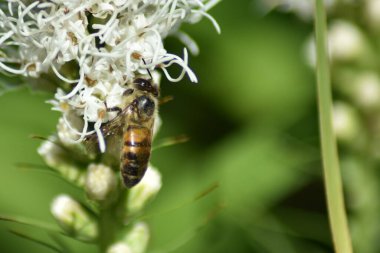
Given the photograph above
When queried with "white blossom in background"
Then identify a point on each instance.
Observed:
(346, 122)
(372, 12)
(366, 90)
(108, 42)
(302, 8)
(345, 43)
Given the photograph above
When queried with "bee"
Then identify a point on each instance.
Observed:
(134, 122)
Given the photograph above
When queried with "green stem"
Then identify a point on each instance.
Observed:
(111, 220)
(107, 229)
(333, 182)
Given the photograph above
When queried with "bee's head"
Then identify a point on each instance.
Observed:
(143, 84)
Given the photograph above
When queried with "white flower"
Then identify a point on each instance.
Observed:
(119, 247)
(345, 121)
(107, 43)
(303, 8)
(345, 43)
(366, 90)
(67, 131)
(372, 12)
(50, 152)
(100, 182)
(73, 218)
(138, 237)
(135, 240)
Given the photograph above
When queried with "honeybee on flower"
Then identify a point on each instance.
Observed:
(96, 48)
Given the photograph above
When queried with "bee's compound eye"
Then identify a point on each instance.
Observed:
(145, 105)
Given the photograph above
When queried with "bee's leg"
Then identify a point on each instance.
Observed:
(113, 109)
(165, 100)
(128, 92)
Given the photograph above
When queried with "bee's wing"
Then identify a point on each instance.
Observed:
(113, 127)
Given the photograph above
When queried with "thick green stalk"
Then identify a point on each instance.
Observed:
(333, 182)
(111, 220)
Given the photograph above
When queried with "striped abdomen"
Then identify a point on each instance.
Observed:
(135, 154)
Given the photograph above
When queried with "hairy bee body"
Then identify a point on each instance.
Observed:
(137, 133)
(131, 131)
(135, 153)
(137, 121)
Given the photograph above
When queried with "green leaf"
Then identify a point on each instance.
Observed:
(30, 222)
(58, 240)
(38, 241)
(170, 141)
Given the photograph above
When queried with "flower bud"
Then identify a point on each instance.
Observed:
(372, 13)
(346, 122)
(57, 158)
(303, 9)
(65, 134)
(135, 240)
(346, 41)
(366, 91)
(73, 218)
(119, 247)
(100, 182)
(147, 189)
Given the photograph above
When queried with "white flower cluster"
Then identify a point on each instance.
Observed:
(108, 42)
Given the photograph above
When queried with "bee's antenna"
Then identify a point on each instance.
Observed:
(151, 77)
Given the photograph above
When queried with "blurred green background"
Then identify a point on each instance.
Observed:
(252, 121)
